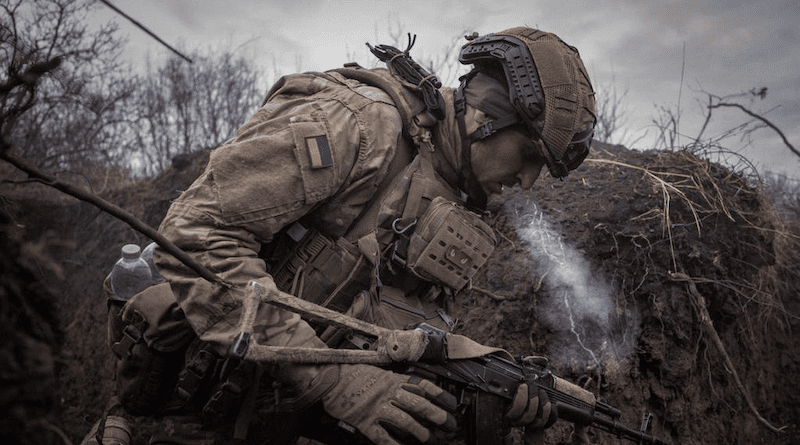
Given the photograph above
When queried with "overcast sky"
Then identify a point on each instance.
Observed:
(729, 46)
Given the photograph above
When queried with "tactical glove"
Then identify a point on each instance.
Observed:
(530, 408)
(386, 407)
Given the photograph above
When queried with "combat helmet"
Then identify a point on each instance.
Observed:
(548, 86)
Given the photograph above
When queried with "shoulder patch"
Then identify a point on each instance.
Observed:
(319, 151)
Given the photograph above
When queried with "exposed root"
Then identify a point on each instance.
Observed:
(700, 303)
(488, 293)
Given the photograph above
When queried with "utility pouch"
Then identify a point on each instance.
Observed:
(396, 311)
(449, 244)
(323, 271)
(149, 335)
(389, 308)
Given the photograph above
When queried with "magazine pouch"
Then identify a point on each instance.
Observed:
(449, 244)
(149, 334)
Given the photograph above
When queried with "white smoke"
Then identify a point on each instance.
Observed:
(589, 330)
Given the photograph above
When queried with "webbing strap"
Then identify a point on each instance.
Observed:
(477, 197)
(131, 335)
(367, 222)
(198, 371)
(408, 108)
(420, 182)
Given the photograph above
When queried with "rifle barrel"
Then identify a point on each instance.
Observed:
(618, 429)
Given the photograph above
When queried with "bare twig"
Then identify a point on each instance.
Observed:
(762, 119)
(700, 303)
(680, 92)
(111, 209)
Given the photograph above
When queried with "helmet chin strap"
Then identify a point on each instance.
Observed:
(476, 196)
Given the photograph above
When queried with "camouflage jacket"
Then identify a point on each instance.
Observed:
(318, 149)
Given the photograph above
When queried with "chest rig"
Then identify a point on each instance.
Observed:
(412, 247)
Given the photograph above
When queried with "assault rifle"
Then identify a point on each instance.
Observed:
(486, 383)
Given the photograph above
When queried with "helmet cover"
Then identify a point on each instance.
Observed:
(548, 86)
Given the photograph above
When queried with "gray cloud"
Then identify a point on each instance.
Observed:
(730, 46)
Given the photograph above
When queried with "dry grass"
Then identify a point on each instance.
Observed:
(667, 188)
(707, 188)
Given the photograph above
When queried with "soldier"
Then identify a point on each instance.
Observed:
(325, 190)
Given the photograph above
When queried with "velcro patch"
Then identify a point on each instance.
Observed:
(319, 151)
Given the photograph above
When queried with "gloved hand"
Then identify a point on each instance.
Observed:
(530, 408)
(386, 406)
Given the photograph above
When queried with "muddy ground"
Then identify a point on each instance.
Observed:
(608, 273)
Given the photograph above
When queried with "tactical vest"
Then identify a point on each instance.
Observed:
(411, 248)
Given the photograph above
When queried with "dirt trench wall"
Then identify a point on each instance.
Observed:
(720, 235)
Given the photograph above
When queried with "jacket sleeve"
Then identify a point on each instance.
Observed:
(232, 253)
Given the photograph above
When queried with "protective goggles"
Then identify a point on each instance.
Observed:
(578, 148)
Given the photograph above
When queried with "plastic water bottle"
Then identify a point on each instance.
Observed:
(147, 254)
(130, 274)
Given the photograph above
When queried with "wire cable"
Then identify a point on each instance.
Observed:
(143, 28)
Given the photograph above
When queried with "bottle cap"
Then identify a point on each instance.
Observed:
(130, 251)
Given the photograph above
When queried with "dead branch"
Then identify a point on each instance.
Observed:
(102, 204)
(700, 303)
(762, 119)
